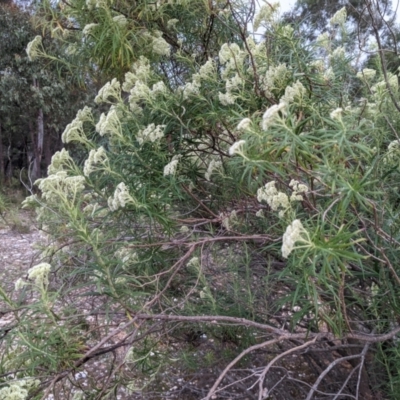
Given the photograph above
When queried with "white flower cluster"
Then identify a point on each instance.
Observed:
(338, 54)
(393, 153)
(271, 114)
(294, 93)
(339, 17)
(226, 98)
(190, 89)
(60, 184)
(275, 199)
(336, 114)
(98, 156)
(111, 90)
(237, 148)
(244, 125)
(58, 161)
(141, 72)
(170, 168)
(231, 57)
(18, 389)
(231, 84)
(158, 88)
(206, 71)
(110, 123)
(214, 165)
(266, 14)
(229, 219)
(40, 274)
(120, 20)
(74, 131)
(88, 29)
(297, 188)
(380, 88)
(151, 134)
(274, 79)
(329, 74)
(121, 198)
(367, 73)
(171, 24)
(295, 232)
(32, 50)
(127, 256)
(161, 47)
(323, 40)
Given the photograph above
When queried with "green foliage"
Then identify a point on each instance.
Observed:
(249, 190)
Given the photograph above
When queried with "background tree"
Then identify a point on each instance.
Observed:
(35, 101)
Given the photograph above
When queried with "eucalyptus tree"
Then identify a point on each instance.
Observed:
(34, 99)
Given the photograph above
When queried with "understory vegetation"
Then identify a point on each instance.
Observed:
(223, 221)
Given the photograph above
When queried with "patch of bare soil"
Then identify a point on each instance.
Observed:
(17, 252)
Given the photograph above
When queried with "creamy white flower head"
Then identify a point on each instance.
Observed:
(19, 284)
(329, 74)
(233, 83)
(18, 389)
(120, 20)
(244, 124)
(40, 273)
(226, 98)
(294, 93)
(213, 166)
(207, 70)
(90, 4)
(88, 29)
(111, 90)
(151, 134)
(228, 51)
(295, 232)
(110, 124)
(158, 87)
(338, 54)
(237, 148)
(140, 91)
(121, 198)
(32, 50)
(190, 89)
(323, 40)
(161, 47)
(59, 160)
(141, 72)
(339, 18)
(380, 88)
(60, 185)
(275, 78)
(71, 49)
(85, 115)
(393, 153)
(171, 24)
(367, 74)
(74, 133)
(171, 167)
(337, 114)
(273, 197)
(297, 188)
(98, 156)
(266, 14)
(271, 114)
(127, 255)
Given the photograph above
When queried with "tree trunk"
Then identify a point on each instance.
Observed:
(1, 157)
(37, 143)
(38, 146)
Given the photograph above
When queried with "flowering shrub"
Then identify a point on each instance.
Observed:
(265, 149)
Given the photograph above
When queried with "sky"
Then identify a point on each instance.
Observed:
(286, 5)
